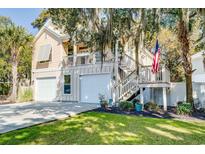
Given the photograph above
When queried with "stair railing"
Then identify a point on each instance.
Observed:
(127, 85)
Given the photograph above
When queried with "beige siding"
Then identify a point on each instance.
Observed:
(57, 51)
(47, 74)
(48, 69)
(145, 57)
(75, 73)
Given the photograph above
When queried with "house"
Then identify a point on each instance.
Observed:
(198, 77)
(198, 64)
(177, 91)
(63, 71)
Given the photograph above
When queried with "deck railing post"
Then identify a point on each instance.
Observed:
(164, 93)
(75, 49)
(141, 97)
(164, 74)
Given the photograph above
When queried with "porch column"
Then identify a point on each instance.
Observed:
(152, 93)
(164, 99)
(141, 97)
(94, 58)
(75, 49)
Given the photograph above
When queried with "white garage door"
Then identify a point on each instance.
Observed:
(46, 89)
(93, 85)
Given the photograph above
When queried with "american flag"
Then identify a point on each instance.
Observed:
(155, 65)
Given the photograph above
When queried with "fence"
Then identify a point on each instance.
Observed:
(177, 93)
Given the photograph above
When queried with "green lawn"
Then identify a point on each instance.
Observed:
(104, 128)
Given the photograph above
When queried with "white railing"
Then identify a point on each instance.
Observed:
(84, 59)
(146, 75)
(80, 59)
(128, 86)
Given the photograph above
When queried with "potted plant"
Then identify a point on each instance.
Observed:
(103, 101)
(138, 106)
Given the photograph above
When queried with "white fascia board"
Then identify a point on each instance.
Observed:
(46, 27)
(197, 55)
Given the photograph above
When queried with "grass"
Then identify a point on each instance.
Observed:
(106, 128)
(25, 95)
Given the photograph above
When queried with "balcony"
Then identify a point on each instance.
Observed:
(77, 60)
(84, 59)
(147, 77)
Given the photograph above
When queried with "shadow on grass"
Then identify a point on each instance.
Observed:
(106, 128)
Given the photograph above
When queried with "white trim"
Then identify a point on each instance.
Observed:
(46, 27)
(88, 65)
(69, 68)
(46, 70)
(154, 85)
(198, 55)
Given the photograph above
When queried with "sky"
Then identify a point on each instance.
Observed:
(22, 16)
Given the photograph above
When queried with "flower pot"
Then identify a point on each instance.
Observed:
(138, 107)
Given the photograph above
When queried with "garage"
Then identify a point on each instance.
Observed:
(93, 85)
(46, 89)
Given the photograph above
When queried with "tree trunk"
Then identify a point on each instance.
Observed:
(14, 81)
(139, 39)
(189, 89)
(136, 41)
(183, 37)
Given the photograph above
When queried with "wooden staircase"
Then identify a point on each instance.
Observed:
(128, 86)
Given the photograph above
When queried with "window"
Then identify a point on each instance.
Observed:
(45, 53)
(67, 84)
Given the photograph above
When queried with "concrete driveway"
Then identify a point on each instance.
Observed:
(20, 115)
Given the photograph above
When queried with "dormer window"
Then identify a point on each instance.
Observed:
(44, 53)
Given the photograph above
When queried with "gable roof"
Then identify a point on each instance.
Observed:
(50, 27)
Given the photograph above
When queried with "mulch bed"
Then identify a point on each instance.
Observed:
(170, 114)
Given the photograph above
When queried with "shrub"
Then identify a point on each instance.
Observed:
(184, 108)
(126, 105)
(103, 101)
(4, 88)
(25, 95)
(104, 104)
(151, 106)
(136, 101)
